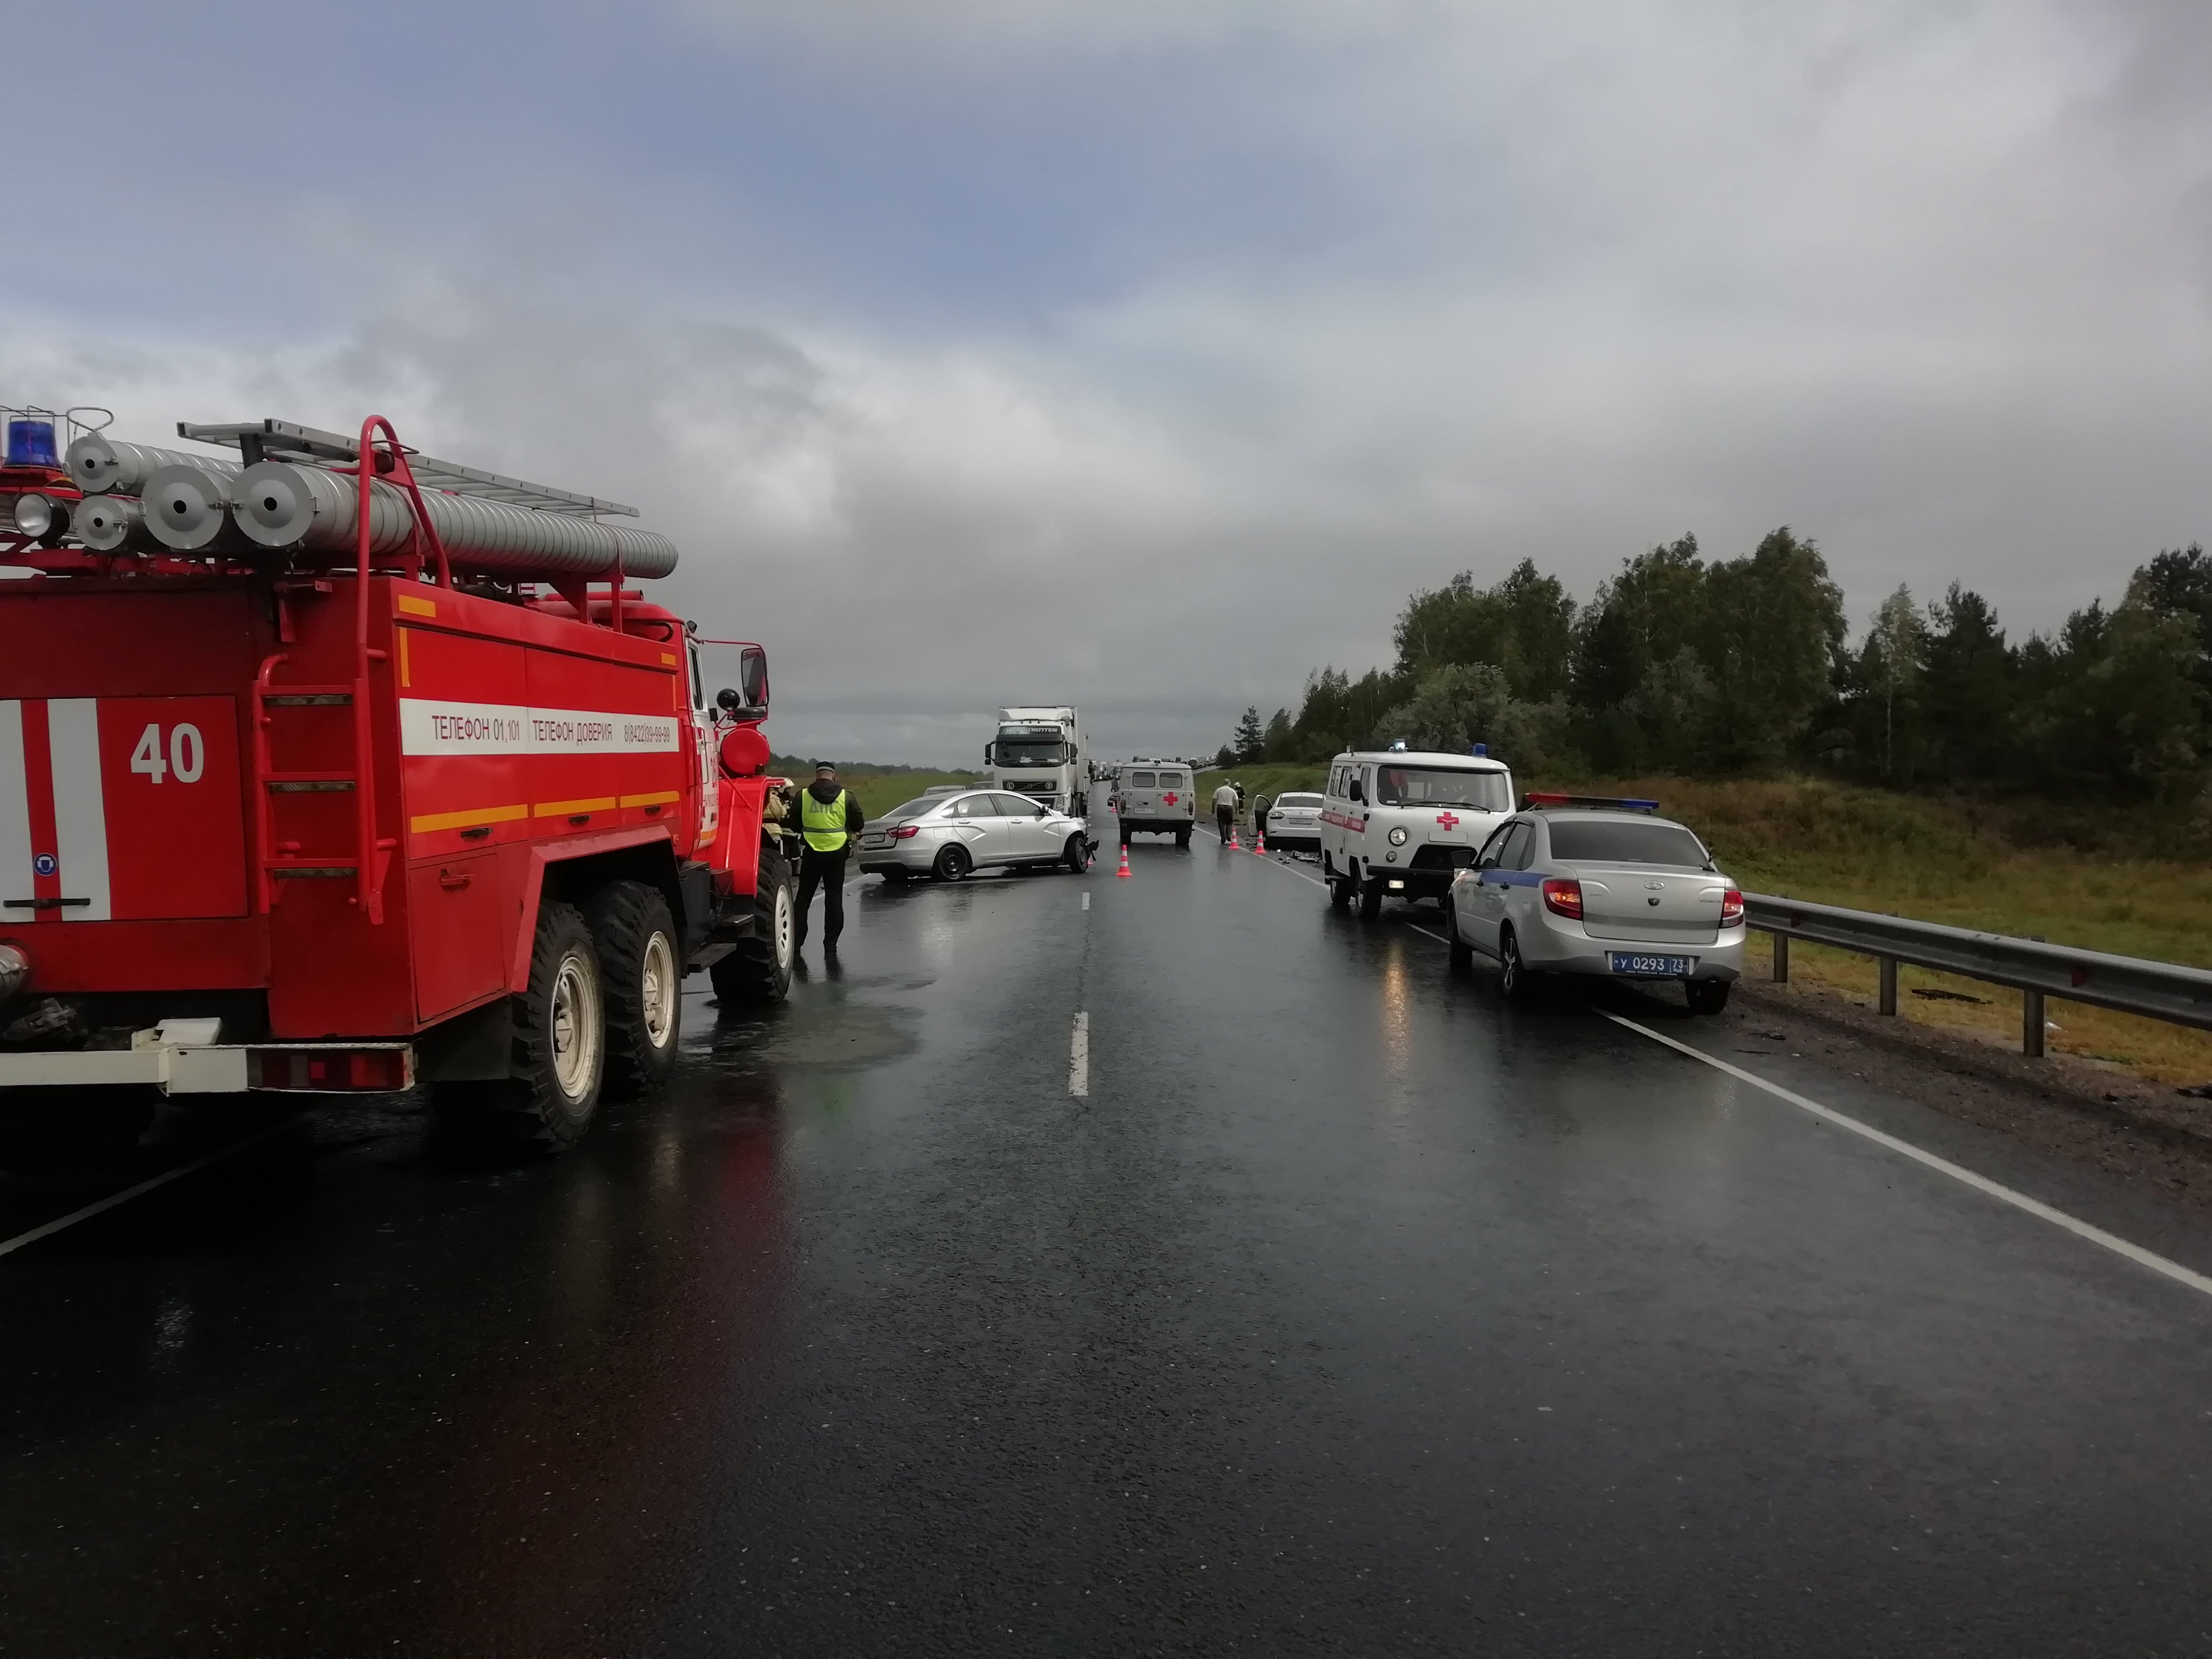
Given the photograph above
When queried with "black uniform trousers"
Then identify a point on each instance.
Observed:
(827, 871)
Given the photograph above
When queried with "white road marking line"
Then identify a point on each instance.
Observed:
(1086, 901)
(144, 1187)
(2036, 1207)
(1078, 1059)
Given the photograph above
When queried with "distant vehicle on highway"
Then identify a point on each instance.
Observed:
(1599, 886)
(1398, 823)
(1155, 797)
(1293, 822)
(947, 837)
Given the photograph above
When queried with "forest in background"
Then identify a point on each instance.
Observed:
(1692, 666)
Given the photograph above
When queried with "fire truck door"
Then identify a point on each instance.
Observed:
(120, 809)
(454, 911)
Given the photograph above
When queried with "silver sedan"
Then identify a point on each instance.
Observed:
(947, 836)
(1575, 884)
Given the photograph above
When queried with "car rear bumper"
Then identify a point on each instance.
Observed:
(1567, 948)
(1154, 826)
(175, 1063)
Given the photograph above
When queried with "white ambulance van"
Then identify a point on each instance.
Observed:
(1153, 798)
(1397, 823)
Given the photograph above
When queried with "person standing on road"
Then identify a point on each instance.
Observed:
(1259, 817)
(828, 821)
(1224, 810)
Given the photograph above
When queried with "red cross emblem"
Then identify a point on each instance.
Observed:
(1449, 820)
(1170, 797)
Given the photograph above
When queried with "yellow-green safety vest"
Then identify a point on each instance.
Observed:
(821, 823)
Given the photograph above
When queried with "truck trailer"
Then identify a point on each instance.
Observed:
(346, 769)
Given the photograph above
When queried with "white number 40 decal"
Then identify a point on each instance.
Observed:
(187, 755)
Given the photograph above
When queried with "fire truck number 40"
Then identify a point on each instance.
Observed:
(186, 754)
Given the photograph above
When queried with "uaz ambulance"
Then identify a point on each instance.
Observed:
(1398, 823)
(1154, 796)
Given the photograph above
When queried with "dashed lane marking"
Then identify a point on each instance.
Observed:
(1078, 1058)
(8, 1246)
(1086, 901)
(2036, 1207)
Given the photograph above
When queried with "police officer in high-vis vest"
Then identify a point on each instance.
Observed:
(829, 822)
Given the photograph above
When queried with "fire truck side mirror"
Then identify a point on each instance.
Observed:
(752, 675)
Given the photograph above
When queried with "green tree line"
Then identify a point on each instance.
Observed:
(1682, 664)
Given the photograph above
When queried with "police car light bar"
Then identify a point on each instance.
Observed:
(1602, 803)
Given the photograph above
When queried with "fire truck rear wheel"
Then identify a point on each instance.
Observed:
(644, 990)
(54, 1129)
(758, 972)
(560, 1036)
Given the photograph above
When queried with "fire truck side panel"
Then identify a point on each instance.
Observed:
(122, 798)
(607, 746)
(464, 741)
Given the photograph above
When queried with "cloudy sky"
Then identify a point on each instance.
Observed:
(1146, 355)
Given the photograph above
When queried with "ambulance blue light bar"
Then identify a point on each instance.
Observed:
(1599, 803)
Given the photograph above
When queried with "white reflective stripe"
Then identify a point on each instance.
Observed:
(16, 876)
(438, 726)
(80, 814)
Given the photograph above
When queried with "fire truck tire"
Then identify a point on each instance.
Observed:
(643, 987)
(758, 972)
(560, 1037)
(54, 1129)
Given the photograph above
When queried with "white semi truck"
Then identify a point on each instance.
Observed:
(1042, 752)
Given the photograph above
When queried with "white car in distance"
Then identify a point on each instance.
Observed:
(946, 836)
(1602, 887)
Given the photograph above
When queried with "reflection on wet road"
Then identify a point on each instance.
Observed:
(1346, 1312)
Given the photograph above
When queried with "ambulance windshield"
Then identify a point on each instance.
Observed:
(1436, 786)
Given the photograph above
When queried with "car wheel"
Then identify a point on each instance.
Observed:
(1371, 898)
(1461, 953)
(1706, 996)
(559, 1047)
(758, 972)
(952, 864)
(1077, 854)
(1513, 975)
(643, 987)
(1183, 840)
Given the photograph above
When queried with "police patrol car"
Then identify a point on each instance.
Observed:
(1596, 885)
(1153, 797)
(1401, 822)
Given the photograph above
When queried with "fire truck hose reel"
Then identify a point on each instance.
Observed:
(103, 465)
(282, 505)
(185, 506)
(109, 524)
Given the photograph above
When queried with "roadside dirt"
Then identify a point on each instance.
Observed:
(2074, 1108)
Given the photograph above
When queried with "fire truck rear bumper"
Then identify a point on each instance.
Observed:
(178, 1057)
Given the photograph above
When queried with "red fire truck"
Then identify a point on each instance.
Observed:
(392, 779)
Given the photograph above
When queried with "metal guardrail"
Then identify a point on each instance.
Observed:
(2130, 985)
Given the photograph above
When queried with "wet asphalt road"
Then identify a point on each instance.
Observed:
(1349, 1313)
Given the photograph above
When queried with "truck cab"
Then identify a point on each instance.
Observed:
(1399, 823)
(1039, 752)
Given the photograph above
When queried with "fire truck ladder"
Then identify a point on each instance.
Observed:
(372, 854)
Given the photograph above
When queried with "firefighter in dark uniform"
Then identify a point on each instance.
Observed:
(829, 822)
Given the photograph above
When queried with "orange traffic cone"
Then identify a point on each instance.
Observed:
(1122, 874)
(1233, 845)
(1259, 842)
